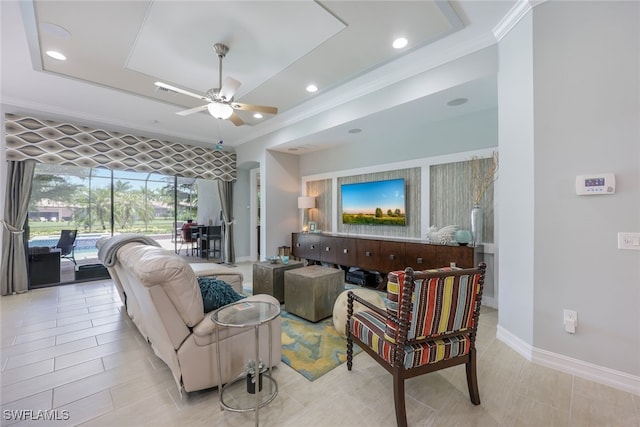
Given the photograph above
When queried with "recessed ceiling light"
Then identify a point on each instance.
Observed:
(293, 149)
(257, 116)
(312, 88)
(355, 130)
(56, 55)
(400, 42)
(457, 101)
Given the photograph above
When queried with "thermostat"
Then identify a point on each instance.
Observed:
(589, 185)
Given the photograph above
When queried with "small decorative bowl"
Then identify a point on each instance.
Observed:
(273, 259)
(463, 237)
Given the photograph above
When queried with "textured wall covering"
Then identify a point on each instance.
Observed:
(451, 199)
(322, 214)
(47, 141)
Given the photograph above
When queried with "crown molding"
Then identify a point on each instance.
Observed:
(517, 12)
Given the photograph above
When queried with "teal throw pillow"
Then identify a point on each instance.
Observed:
(216, 293)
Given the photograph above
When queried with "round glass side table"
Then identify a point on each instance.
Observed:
(234, 396)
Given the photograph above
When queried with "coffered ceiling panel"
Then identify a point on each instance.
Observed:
(117, 50)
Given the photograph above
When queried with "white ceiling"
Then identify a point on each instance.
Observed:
(117, 50)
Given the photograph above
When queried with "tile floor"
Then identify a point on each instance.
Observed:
(71, 348)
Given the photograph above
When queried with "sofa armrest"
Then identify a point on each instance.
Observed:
(233, 277)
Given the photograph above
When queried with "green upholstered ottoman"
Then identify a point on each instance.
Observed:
(310, 292)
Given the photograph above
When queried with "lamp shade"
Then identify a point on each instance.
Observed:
(306, 202)
(220, 111)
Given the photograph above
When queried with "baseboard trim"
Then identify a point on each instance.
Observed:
(589, 371)
(490, 302)
(515, 343)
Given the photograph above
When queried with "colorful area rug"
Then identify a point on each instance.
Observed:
(312, 349)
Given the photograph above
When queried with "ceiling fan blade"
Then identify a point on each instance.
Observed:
(192, 110)
(256, 108)
(236, 120)
(182, 91)
(229, 88)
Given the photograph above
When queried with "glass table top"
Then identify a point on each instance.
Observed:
(245, 313)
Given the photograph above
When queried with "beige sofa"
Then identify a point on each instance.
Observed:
(162, 297)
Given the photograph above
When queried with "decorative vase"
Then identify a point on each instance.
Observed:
(463, 237)
(477, 222)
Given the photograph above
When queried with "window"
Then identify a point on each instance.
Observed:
(100, 202)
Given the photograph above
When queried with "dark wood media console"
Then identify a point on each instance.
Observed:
(382, 255)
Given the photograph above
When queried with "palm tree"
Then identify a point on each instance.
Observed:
(101, 207)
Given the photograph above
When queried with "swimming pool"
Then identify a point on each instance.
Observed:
(84, 242)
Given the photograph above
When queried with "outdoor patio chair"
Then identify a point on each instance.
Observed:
(67, 245)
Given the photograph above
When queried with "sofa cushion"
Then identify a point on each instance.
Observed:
(154, 266)
(216, 293)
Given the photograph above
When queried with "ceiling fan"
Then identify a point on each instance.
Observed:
(220, 101)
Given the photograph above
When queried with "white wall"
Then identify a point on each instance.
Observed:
(280, 184)
(569, 104)
(470, 132)
(587, 115)
(242, 227)
(208, 202)
(516, 185)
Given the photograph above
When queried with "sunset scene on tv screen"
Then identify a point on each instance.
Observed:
(374, 203)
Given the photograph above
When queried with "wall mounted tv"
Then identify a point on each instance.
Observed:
(374, 203)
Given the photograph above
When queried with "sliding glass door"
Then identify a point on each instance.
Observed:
(99, 202)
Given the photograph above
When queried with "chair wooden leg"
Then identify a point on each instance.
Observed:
(349, 349)
(398, 399)
(472, 378)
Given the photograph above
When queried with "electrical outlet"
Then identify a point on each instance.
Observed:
(629, 240)
(570, 321)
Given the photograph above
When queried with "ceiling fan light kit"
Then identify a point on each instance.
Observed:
(220, 100)
(220, 111)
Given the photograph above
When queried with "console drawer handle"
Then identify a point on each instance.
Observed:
(419, 260)
(346, 251)
(313, 246)
(297, 245)
(327, 249)
(392, 256)
(367, 254)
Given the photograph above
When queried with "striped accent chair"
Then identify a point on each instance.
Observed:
(430, 324)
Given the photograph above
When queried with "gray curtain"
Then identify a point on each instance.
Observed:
(225, 189)
(13, 275)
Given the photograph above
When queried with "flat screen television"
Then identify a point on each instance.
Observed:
(374, 203)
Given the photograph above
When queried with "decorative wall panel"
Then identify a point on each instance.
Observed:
(322, 214)
(412, 195)
(47, 141)
(451, 197)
